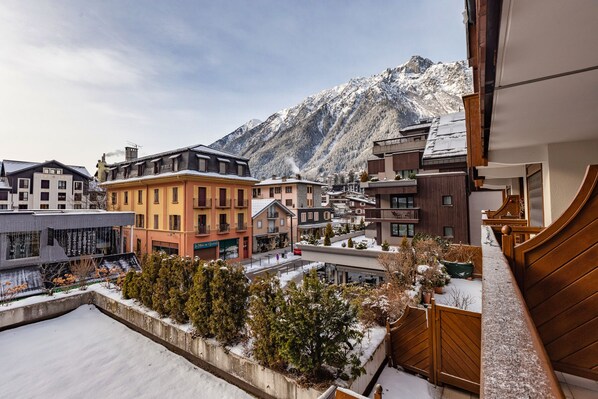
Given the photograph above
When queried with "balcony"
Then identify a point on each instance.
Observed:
(223, 203)
(272, 215)
(202, 203)
(403, 186)
(241, 203)
(223, 228)
(202, 230)
(399, 144)
(405, 215)
(272, 230)
(241, 226)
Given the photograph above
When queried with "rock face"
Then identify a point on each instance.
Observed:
(333, 131)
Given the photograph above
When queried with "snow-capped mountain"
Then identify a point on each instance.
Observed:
(333, 130)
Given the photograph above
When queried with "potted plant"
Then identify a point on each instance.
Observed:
(439, 280)
(426, 281)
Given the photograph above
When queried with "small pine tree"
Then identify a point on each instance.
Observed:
(161, 289)
(316, 328)
(362, 225)
(385, 246)
(181, 285)
(327, 241)
(150, 269)
(264, 306)
(350, 243)
(130, 288)
(199, 305)
(329, 232)
(347, 228)
(317, 235)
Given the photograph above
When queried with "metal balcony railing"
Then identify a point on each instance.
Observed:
(202, 230)
(199, 203)
(223, 228)
(241, 203)
(273, 215)
(223, 203)
(272, 230)
(241, 226)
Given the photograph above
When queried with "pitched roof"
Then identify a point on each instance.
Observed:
(260, 205)
(199, 148)
(268, 182)
(13, 166)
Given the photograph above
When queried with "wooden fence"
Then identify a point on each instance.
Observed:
(557, 273)
(441, 343)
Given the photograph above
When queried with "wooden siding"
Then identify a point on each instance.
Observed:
(557, 272)
(410, 345)
(433, 215)
(406, 161)
(475, 152)
(375, 166)
(511, 208)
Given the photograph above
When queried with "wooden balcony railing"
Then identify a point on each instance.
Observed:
(201, 203)
(407, 215)
(510, 209)
(557, 273)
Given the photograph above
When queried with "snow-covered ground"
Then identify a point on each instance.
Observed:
(473, 288)
(86, 354)
(398, 384)
(264, 261)
(297, 275)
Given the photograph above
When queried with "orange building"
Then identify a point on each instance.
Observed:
(193, 201)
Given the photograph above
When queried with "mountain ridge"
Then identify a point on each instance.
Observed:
(333, 130)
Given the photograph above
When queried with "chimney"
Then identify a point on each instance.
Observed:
(131, 153)
(298, 176)
(284, 178)
(273, 177)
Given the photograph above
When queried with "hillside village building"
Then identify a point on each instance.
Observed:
(420, 182)
(192, 201)
(43, 185)
(272, 225)
(302, 197)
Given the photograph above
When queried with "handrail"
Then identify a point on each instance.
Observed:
(511, 207)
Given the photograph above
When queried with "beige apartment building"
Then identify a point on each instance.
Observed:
(271, 225)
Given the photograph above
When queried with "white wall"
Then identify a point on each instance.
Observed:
(479, 200)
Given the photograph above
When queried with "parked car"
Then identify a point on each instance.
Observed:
(296, 251)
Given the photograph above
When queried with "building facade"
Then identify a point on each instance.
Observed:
(420, 183)
(294, 193)
(272, 224)
(193, 201)
(34, 244)
(43, 185)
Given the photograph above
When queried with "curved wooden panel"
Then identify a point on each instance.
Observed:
(510, 208)
(557, 272)
(410, 341)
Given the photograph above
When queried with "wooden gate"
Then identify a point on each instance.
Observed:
(441, 343)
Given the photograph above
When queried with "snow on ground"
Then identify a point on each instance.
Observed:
(473, 288)
(372, 339)
(89, 355)
(297, 275)
(398, 384)
(264, 261)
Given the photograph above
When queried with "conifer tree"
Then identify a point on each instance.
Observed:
(317, 328)
(264, 306)
(181, 285)
(350, 243)
(229, 302)
(150, 269)
(199, 305)
(130, 288)
(162, 286)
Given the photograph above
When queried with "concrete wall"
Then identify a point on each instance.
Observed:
(478, 201)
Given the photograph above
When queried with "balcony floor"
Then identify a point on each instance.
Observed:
(576, 387)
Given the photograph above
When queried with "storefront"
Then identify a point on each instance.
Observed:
(206, 250)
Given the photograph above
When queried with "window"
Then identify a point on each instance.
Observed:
(114, 173)
(401, 230)
(140, 170)
(282, 222)
(303, 217)
(327, 215)
(401, 201)
(24, 206)
(259, 224)
(45, 183)
(222, 201)
(22, 245)
(157, 196)
(203, 165)
(241, 170)
(23, 196)
(448, 231)
(77, 206)
(62, 184)
(175, 164)
(139, 221)
(77, 196)
(61, 206)
(126, 171)
(288, 202)
(271, 192)
(310, 215)
(61, 196)
(3, 206)
(174, 222)
(24, 183)
(113, 198)
(44, 206)
(44, 196)
(277, 190)
(447, 200)
(126, 197)
(202, 193)
(310, 189)
(257, 192)
(78, 185)
(222, 167)
(288, 189)
(3, 195)
(140, 197)
(156, 222)
(175, 195)
(156, 167)
(240, 221)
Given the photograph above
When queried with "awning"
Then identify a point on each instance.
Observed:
(156, 160)
(202, 156)
(174, 156)
(224, 160)
(140, 163)
(241, 162)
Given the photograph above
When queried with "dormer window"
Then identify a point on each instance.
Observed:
(176, 162)
(156, 163)
(126, 171)
(202, 162)
(114, 173)
(140, 166)
(223, 165)
(241, 168)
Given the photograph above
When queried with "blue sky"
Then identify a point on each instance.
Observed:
(80, 78)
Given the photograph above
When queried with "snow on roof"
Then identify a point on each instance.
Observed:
(277, 181)
(4, 184)
(447, 137)
(185, 172)
(12, 166)
(259, 205)
(200, 148)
